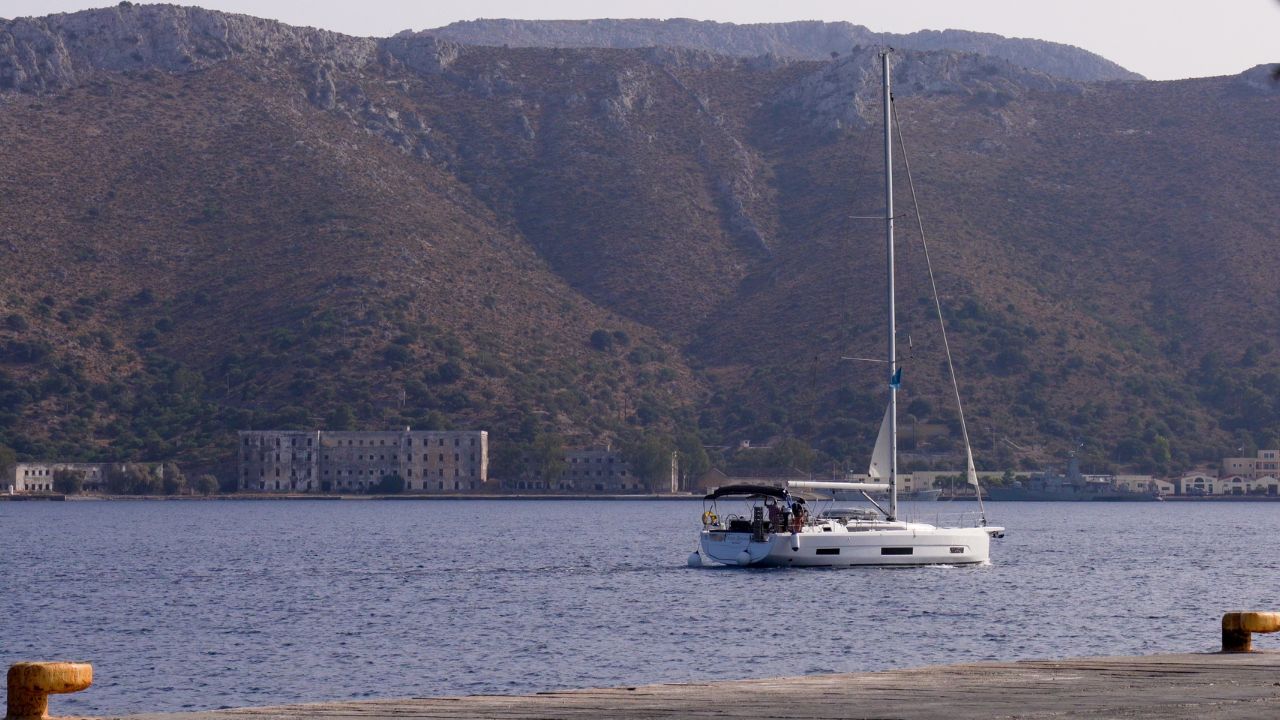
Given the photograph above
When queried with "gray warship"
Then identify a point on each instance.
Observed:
(1074, 486)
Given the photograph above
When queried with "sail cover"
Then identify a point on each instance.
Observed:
(880, 457)
(970, 472)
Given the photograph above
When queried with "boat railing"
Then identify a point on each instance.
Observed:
(971, 518)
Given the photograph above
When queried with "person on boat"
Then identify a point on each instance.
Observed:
(797, 516)
(775, 514)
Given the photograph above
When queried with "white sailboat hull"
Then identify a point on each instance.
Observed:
(833, 545)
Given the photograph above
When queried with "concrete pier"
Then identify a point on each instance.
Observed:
(1170, 687)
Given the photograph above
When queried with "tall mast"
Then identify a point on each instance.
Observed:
(893, 329)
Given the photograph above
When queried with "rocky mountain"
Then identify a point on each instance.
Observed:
(808, 40)
(211, 222)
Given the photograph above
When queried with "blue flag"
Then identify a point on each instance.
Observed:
(896, 380)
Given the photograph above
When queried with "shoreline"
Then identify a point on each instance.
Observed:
(666, 497)
(281, 497)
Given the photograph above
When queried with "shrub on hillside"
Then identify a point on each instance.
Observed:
(18, 351)
(602, 340)
(16, 322)
(397, 356)
(206, 485)
(131, 479)
(448, 372)
(68, 482)
(174, 481)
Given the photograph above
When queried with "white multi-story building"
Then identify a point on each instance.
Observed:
(429, 461)
(1265, 464)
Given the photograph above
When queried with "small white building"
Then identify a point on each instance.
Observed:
(1143, 484)
(1198, 483)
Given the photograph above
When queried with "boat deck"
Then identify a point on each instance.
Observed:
(1170, 687)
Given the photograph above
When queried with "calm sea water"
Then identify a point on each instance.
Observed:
(194, 605)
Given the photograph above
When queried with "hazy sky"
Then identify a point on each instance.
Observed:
(1162, 39)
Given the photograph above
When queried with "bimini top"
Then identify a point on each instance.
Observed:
(766, 490)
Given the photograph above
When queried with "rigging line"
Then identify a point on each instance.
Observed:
(881, 218)
(937, 303)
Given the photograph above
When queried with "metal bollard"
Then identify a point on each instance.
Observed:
(1238, 629)
(31, 683)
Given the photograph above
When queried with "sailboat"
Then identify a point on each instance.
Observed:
(778, 528)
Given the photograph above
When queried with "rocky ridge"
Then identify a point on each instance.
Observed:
(845, 93)
(57, 51)
(807, 40)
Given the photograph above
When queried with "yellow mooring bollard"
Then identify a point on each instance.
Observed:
(1238, 629)
(31, 683)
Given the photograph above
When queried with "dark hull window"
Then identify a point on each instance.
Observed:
(896, 551)
(828, 551)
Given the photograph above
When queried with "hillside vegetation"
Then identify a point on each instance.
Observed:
(211, 222)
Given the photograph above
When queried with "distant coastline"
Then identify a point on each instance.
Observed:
(330, 498)
(416, 498)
